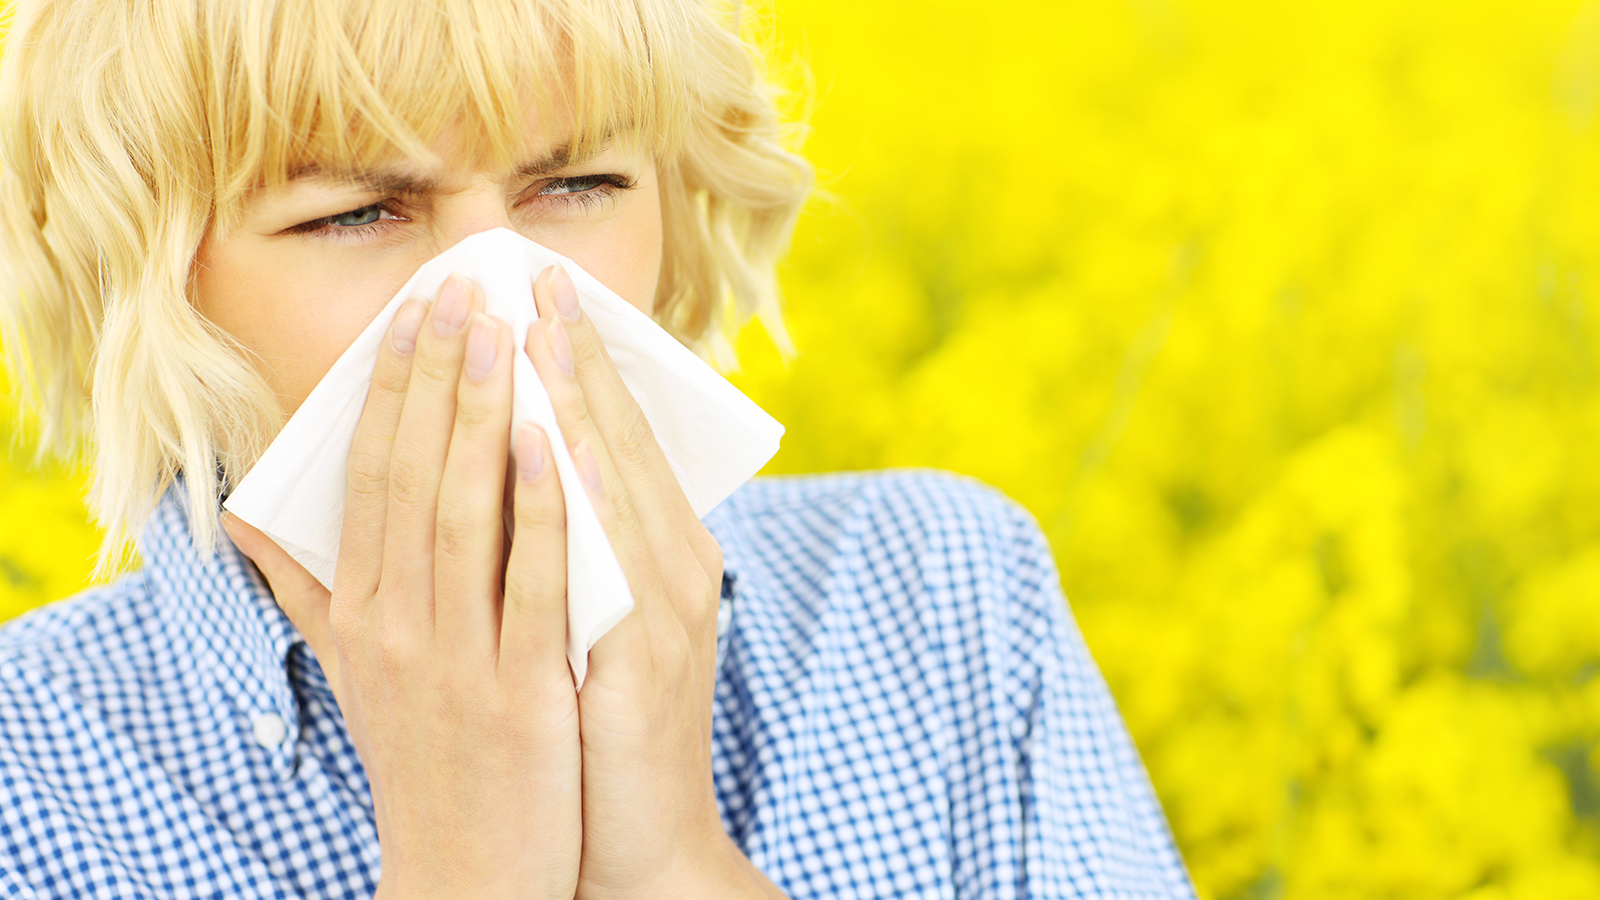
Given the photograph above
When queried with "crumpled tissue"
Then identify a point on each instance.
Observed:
(714, 437)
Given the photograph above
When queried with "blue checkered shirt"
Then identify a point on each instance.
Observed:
(904, 708)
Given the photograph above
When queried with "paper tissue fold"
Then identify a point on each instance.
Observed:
(713, 436)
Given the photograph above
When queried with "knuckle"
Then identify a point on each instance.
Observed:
(390, 380)
(474, 415)
(627, 519)
(367, 473)
(434, 367)
(534, 511)
(632, 439)
(410, 485)
(570, 405)
(396, 649)
(454, 533)
(699, 607)
(581, 421)
(587, 351)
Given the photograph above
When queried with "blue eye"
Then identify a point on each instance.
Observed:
(577, 185)
(366, 215)
(578, 193)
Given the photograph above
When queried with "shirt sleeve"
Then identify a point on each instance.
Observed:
(1091, 825)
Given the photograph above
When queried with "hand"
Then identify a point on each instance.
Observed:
(650, 822)
(454, 684)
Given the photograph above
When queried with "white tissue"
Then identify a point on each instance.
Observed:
(713, 436)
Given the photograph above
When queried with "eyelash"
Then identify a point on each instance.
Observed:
(603, 188)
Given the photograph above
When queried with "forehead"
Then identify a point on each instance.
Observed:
(406, 92)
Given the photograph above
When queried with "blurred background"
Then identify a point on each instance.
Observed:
(1279, 318)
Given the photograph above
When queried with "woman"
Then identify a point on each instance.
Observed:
(844, 686)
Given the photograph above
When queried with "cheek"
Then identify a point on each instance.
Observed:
(623, 252)
(296, 317)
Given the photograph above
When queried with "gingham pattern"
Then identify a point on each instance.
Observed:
(904, 708)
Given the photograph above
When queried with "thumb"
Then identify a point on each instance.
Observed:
(299, 594)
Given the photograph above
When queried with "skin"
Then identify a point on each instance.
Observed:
(445, 642)
(271, 288)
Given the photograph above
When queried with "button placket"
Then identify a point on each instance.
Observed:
(269, 730)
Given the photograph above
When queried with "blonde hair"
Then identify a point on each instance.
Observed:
(130, 127)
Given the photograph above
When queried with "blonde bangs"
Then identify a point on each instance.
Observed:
(368, 84)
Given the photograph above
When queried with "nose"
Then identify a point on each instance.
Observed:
(481, 206)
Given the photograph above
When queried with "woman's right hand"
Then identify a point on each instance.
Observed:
(454, 686)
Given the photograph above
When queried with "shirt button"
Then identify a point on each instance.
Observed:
(270, 730)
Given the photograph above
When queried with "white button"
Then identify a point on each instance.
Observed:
(270, 730)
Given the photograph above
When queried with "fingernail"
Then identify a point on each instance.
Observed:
(587, 467)
(451, 313)
(566, 294)
(482, 346)
(407, 324)
(530, 451)
(560, 347)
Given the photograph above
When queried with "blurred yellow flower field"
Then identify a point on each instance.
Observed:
(1281, 320)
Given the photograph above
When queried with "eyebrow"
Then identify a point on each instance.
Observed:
(391, 181)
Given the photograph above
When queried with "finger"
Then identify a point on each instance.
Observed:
(533, 627)
(551, 352)
(422, 441)
(626, 647)
(552, 358)
(666, 517)
(469, 526)
(298, 593)
(367, 473)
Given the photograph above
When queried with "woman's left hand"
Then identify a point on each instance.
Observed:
(650, 822)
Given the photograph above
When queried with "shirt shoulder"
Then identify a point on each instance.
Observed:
(108, 626)
(99, 658)
(895, 582)
(922, 538)
(920, 508)
(942, 498)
